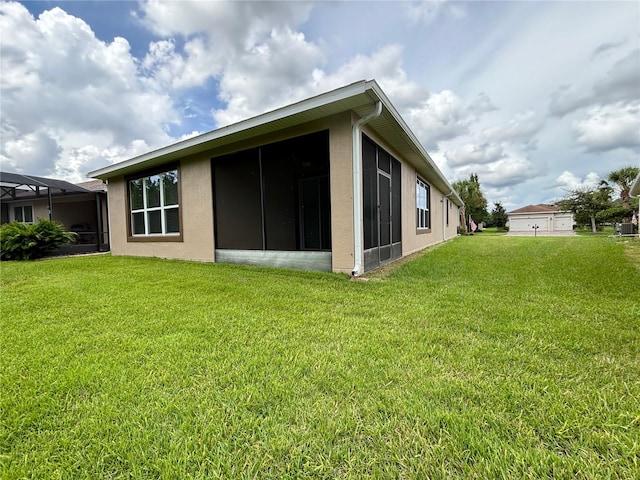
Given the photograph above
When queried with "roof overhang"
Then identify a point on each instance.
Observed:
(359, 97)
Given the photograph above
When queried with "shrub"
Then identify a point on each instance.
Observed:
(27, 242)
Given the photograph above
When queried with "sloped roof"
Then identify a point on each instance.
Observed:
(8, 179)
(359, 97)
(539, 208)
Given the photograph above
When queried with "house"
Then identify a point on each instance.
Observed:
(540, 219)
(81, 208)
(337, 182)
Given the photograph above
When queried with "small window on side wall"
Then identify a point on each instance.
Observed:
(423, 201)
(154, 206)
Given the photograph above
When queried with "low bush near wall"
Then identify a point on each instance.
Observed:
(27, 242)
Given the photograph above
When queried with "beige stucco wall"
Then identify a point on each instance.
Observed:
(39, 205)
(341, 172)
(196, 210)
(197, 199)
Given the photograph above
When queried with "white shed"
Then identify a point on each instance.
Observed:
(547, 218)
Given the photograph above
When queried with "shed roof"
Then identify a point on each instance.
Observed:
(539, 208)
(359, 97)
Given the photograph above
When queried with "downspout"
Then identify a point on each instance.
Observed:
(638, 217)
(445, 210)
(357, 187)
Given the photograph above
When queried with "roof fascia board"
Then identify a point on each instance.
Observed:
(272, 116)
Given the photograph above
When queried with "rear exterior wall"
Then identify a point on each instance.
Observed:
(196, 202)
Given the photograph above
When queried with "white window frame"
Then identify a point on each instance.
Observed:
(423, 208)
(33, 213)
(162, 208)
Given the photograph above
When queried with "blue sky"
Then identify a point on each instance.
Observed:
(537, 98)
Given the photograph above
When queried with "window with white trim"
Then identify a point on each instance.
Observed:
(423, 201)
(23, 214)
(153, 203)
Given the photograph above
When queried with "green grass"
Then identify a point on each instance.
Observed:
(487, 357)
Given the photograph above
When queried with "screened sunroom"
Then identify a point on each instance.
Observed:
(273, 203)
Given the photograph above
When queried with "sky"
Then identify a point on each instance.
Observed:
(536, 97)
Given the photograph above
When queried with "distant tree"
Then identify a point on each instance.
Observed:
(499, 215)
(586, 203)
(613, 214)
(474, 200)
(623, 179)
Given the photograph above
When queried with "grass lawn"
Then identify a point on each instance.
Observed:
(486, 357)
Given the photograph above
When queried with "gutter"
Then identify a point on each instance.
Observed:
(357, 187)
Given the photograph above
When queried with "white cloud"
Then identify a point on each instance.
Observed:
(609, 128)
(269, 75)
(474, 155)
(444, 116)
(258, 83)
(217, 35)
(520, 129)
(74, 87)
(426, 12)
(236, 25)
(567, 181)
(508, 171)
(385, 65)
(621, 83)
(36, 151)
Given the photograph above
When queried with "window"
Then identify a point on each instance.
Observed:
(23, 214)
(154, 205)
(423, 200)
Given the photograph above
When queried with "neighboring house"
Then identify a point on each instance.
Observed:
(81, 208)
(336, 182)
(547, 218)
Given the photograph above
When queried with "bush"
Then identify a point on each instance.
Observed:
(27, 242)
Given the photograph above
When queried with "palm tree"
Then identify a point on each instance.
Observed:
(624, 178)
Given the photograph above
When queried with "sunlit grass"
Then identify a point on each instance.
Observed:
(487, 357)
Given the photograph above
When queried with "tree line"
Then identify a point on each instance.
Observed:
(609, 201)
(476, 203)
